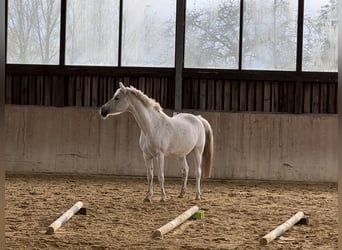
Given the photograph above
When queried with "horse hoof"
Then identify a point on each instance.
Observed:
(182, 193)
(198, 197)
(147, 200)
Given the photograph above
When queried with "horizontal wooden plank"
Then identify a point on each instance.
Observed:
(260, 75)
(8, 89)
(88, 70)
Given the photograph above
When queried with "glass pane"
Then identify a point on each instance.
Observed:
(270, 34)
(212, 34)
(33, 31)
(92, 29)
(320, 35)
(148, 36)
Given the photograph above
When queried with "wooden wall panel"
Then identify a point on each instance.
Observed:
(87, 88)
(282, 86)
(243, 96)
(227, 96)
(203, 95)
(8, 89)
(251, 96)
(291, 91)
(24, 90)
(102, 87)
(32, 85)
(307, 97)
(94, 92)
(163, 92)
(259, 96)
(47, 90)
(332, 98)
(149, 86)
(186, 91)
(216, 94)
(79, 91)
(315, 98)
(235, 96)
(141, 84)
(111, 88)
(323, 105)
(58, 91)
(156, 89)
(40, 90)
(195, 93)
(211, 94)
(71, 91)
(267, 97)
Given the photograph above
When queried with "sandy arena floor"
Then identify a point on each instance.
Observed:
(237, 214)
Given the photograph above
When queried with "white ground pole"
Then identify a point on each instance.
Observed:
(175, 222)
(281, 229)
(64, 218)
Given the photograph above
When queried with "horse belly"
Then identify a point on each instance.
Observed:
(181, 144)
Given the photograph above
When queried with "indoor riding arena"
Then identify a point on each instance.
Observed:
(263, 74)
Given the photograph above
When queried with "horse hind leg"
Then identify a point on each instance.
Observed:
(185, 173)
(198, 171)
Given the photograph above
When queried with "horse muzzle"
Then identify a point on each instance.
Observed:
(103, 112)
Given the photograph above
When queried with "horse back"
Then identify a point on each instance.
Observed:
(174, 136)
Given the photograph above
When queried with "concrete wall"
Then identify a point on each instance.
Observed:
(247, 145)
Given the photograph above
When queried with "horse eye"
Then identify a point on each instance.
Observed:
(116, 98)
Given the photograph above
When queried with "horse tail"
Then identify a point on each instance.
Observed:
(208, 152)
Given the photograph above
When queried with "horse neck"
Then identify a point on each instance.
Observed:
(144, 116)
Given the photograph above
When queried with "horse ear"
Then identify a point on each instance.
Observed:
(122, 86)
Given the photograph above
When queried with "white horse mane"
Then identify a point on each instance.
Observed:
(149, 102)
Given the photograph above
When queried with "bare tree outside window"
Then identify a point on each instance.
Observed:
(33, 31)
(270, 34)
(320, 50)
(148, 35)
(212, 34)
(92, 29)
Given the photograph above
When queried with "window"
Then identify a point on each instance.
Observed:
(212, 34)
(270, 35)
(148, 36)
(320, 35)
(33, 31)
(92, 32)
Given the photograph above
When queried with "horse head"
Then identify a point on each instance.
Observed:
(118, 104)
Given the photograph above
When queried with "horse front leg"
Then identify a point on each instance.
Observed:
(160, 163)
(185, 174)
(149, 168)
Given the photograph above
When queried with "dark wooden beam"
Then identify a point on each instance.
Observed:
(179, 55)
(259, 75)
(300, 24)
(256, 75)
(88, 70)
(62, 33)
(120, 33)
(240, 34)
